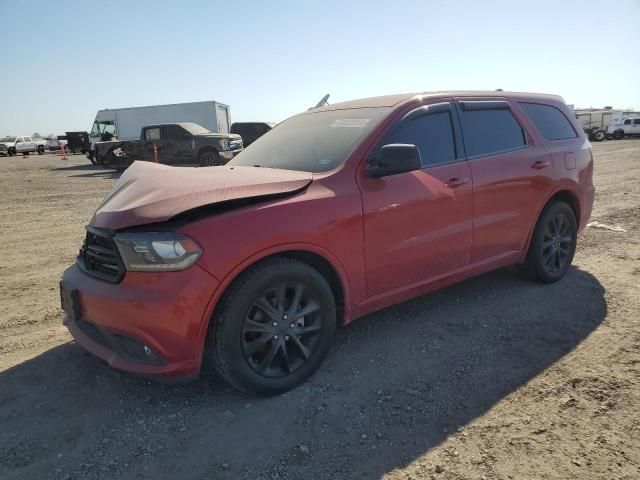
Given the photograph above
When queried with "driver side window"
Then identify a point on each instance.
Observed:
(431, 133)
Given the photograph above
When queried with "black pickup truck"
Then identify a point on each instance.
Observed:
(176, 144)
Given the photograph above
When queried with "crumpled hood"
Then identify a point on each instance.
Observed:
(150, 192)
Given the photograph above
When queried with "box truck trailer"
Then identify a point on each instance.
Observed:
(125, 124)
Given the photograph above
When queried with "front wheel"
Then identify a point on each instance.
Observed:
(209, 158)
(273, 326)
(553, 244)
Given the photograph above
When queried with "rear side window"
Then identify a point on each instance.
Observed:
(551, 123)
(152, 134)
(431, 133)
(491, 131)
(636, 121)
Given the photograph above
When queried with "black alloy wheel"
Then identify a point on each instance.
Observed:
(557, 242)
(553, 244)
(281, 329)
(273, 326)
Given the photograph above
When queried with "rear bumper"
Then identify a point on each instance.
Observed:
(163, 312)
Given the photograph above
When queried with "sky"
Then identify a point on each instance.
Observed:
(268, 60)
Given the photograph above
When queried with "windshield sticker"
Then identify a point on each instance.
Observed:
(350, 123)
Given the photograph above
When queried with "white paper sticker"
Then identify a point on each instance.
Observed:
(350, 123)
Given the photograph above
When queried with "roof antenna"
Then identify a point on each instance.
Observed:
(323, 101)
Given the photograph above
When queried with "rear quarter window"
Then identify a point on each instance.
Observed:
(549, 121)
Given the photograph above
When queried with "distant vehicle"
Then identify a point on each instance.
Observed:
(627, 128)
(176, 144)
(124, 124)
(24, 145)
(251, 131)
(78, 142)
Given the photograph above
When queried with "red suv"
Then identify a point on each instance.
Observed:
(335, 213)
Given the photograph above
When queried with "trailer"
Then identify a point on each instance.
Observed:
(595, 122)
(125, 124)
(600, 123)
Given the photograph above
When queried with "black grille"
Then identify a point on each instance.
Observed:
(91, 331)
(100, 256)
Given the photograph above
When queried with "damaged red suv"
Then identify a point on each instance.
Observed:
(335, 213)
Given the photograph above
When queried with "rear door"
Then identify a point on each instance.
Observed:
(635, 127)
(512, 175)
(222, 114)
(417, 225)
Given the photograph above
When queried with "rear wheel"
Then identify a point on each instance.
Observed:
(599, 136)
(273, 327)
(553, 244)
(209, 158)
(11, 151)
(618, 134)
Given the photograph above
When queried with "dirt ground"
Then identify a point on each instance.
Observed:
(494, 378)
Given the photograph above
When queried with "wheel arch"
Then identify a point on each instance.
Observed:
(563, 194)
(206, 148)
(323, 261)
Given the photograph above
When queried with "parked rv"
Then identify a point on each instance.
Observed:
(124, 124)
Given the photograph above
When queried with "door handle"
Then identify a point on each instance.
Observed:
(539, 164)
(455, 182)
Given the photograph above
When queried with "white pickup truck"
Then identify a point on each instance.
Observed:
(24, 145)
(630, 126)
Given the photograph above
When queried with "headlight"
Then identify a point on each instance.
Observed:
(224, 143)
(154, 252)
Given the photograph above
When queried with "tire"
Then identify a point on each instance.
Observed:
(618, 134)
(40, 150)
(209, 158)
(11, 151)
(259, 352)
(553, 244)
(599, 136)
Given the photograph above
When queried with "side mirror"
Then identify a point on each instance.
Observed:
(393, 159)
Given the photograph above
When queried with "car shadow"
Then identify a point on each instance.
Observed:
(395, 385)
(93, 171)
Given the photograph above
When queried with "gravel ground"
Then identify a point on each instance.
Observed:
(494, 378)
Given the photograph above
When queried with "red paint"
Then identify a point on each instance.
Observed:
(388, 239)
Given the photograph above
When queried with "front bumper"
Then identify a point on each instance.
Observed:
(162, 311)
(229, 154)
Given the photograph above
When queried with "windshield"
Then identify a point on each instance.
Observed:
(103, 127)
(312, 142)
(194, 128)
(8, 139)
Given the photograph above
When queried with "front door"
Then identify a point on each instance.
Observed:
(418, 225)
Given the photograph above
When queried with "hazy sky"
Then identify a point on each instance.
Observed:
(62, 61)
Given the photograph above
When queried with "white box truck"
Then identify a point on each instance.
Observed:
(125, 124)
